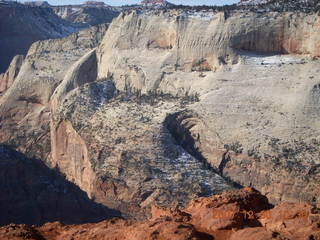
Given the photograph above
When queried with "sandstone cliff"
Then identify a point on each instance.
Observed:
(86, 15)
(24, 106)
(256, 101)
(174, 43)
(7, 78)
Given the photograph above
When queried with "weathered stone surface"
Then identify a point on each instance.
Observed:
(272, 174)
(24, 108)
(172, 45)
(7, 78)
(253, 118)
(262, 106)
(198, 221)
(86, 15)
(258, 115)
(117, 150)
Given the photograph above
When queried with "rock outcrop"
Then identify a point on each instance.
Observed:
(174, 43)
(87, 14)
(25, 105)
(7, 78)
(95, 150)
(231, 216)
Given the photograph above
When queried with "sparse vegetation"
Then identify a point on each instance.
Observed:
(236, 147)
(152, 97)
(272, 5)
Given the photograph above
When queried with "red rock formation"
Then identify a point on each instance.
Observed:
(69, 152)
(234, 215)
(7, 78)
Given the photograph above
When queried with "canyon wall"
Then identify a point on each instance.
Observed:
(157, 51)
(168, 103)
(24, 107)
(256, 74)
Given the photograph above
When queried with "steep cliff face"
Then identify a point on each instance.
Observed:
(7, 78)
(70, 156)
(24, 108)
(171, 45)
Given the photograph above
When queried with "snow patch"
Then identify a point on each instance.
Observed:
(206, 16)
(260, 59)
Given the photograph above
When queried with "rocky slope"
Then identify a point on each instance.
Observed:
(231, 216)
(25, 105)
(167, 101)
(87, 14)
(138, 163)
(249, 128)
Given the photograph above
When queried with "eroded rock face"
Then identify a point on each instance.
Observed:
(7, 78)
(116, 149)
(233, 215)
(86, 15)
(272, 174)
(172, 45)
(258, 115)
(24, 108)
(255, 117)
(31, 193)
(70, 155)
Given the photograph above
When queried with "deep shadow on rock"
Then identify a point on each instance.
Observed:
(32, 193)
